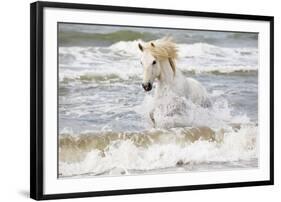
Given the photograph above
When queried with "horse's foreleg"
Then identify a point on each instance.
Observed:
(151, 115)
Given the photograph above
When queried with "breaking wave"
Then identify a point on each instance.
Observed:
(214, 136)
(228, 138)
(113, 153)
(120, 61)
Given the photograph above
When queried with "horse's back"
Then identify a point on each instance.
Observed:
(195, 91)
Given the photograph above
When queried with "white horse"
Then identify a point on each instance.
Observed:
(158, 61)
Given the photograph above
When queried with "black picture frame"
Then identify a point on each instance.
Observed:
(37, 101)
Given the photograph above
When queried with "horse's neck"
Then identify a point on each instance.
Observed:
(167, 74)
(166, 77)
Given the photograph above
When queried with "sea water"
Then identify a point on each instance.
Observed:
(104, 126)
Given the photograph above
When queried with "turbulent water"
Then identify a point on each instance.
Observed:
(104, 126)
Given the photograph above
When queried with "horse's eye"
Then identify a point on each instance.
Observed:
(154, 62)
(141, 62)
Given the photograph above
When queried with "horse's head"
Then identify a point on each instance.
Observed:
(151, 67)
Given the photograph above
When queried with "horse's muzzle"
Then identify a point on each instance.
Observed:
(147, 86)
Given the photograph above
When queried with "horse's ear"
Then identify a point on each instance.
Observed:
(152, 44)
(140, 47)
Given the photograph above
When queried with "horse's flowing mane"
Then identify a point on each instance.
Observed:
(163, 48)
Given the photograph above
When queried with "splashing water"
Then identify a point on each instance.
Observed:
(104, 123)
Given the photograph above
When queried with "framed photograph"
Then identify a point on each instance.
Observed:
(136, 100)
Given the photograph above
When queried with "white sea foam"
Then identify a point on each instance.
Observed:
(120, 62)
(123, 156)
(235, 140)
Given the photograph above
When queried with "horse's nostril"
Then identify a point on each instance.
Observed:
(147, 86)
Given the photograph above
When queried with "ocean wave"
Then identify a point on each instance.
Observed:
(195, 135)
(136, 76)
(81, 34)
(179, 139)
(120, 61)
(67, 38)
(113, 153)
(93, 116)
(99, 76)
